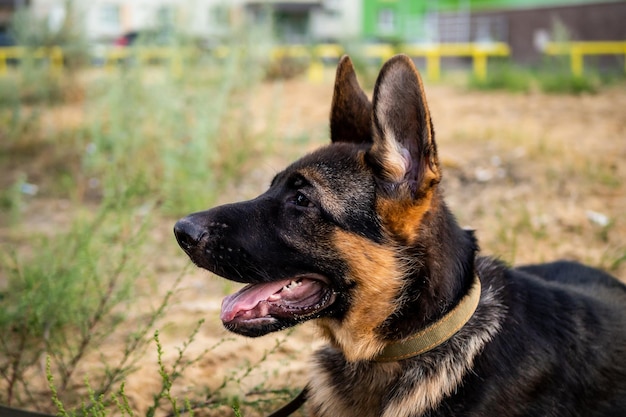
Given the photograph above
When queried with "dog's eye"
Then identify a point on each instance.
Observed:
(301, 200)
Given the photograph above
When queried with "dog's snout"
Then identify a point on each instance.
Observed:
(188, 233)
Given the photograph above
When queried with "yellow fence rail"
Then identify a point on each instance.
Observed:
(479, 52)
(578, 50)
(175, 56)
(54, 55)
(316, 55)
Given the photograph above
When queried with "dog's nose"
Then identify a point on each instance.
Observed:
(188, 233)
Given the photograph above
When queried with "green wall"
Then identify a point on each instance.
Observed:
(392, 19)
(403, 20)
(507, 4)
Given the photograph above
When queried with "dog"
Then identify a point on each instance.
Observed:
(357, 237)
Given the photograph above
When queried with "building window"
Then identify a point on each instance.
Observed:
(386, 21)
(110, 16)
(334, 5)
(219, 15)
(165, 16)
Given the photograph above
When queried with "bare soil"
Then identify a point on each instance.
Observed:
(539, 177)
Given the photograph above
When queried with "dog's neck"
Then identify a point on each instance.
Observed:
(436, 333)
(438, 282)
(438, 274)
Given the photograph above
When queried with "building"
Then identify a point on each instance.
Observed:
(302, 21)
(294, 21)
(526, 25)
(528, 29)
(399, 20)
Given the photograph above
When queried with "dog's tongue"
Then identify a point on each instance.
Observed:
(277, 298)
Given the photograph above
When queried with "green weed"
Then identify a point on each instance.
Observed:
(12, 199)
(154, 141)
(562, 81)
(151, 134)
(504, 76)
(61, 299)
(552, 76)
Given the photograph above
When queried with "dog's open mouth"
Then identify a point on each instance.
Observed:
(296, 299)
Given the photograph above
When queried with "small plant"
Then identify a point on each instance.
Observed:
(40, 80)
(64, 301)
(152, 142)
(12, 199)
(285, 68)
(504, 76)
(168, 378)
(166, 401)
(171, 137)
(112, 403)
(34, 31)
(553, 76)
(562, 82)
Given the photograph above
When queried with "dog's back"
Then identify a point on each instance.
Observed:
(561, 350)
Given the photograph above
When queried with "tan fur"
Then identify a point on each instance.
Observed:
(396, 162)
(395, 157)
(431, 390)
(367, 401)
(402, 218)
(374, 381)
(377, 273)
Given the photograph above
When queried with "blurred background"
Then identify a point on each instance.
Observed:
(117, 117)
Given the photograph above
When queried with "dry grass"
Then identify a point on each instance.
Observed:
(528, 172)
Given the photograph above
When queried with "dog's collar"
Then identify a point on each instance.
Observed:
(423, 341)
(436, 333)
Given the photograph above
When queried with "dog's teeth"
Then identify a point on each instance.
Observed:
(273, 297)
(292, 285)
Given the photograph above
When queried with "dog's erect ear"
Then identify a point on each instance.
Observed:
(404, 151)
(351, 110)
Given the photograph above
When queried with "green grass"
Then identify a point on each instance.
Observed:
(504, 76)
(152, 143)
(553, 76)
(170, 137)
(62, 299)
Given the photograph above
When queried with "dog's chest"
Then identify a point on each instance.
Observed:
(366, 389)
(393, 389)
(347, 390)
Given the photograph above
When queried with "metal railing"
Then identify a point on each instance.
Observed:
(52, 55)
(316, 55)
(578, 50)
(479, 52)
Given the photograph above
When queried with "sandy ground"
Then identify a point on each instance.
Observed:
(539, 177)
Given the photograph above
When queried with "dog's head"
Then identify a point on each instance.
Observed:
(339, 232)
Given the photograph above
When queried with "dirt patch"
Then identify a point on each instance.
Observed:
(539, 177)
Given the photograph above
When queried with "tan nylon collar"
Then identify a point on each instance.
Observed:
(436, 333)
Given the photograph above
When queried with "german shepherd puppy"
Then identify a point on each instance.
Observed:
(357, 237)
